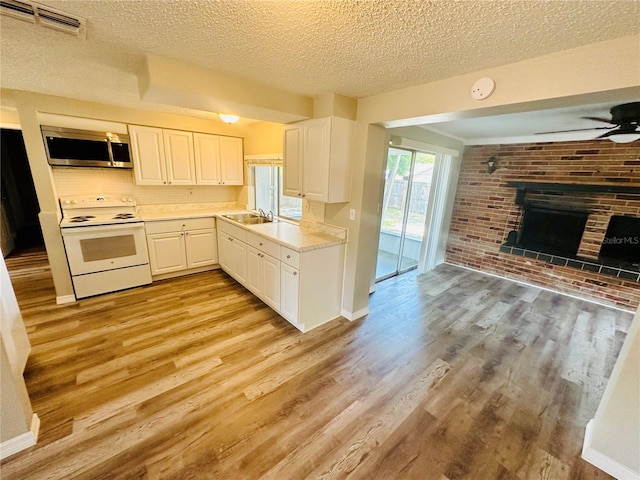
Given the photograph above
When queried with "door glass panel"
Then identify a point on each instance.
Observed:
(404, 209)
(417, 209)
(393, 206)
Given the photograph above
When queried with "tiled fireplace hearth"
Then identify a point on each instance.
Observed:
(581, 264)
(590, 182)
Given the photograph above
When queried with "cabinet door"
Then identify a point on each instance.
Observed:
(231, 161)
(201, 247)
(166, 252)
(254, 270)
(316, 154)
(290, 291)
(147, 149)
(178, 152)
(207, 158)
(271, 281)
(239, 260)
(225, 257)
(293, 154)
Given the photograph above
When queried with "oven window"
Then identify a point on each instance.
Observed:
(96, 249)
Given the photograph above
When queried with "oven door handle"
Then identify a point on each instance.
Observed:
(102, 228)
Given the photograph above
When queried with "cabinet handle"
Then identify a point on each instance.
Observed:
(295, 273)
(288, 256)
(230, 239)
(260, 244)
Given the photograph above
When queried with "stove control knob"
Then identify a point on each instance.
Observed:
(74, 201)
(67, 202)
(124, 199)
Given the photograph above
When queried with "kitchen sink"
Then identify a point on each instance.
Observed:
(247, 218)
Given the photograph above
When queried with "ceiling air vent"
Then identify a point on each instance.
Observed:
(44, 16)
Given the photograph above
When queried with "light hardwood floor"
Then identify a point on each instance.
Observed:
(453, 375)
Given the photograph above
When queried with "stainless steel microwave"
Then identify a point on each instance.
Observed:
(86, 148)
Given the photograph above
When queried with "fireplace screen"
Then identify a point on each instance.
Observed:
(552, 231)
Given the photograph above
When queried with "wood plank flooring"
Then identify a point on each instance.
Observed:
(453, 375)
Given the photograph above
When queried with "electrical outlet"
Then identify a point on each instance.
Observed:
(352, 214)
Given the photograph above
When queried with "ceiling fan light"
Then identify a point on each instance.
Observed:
(625, 137)
(228, 118)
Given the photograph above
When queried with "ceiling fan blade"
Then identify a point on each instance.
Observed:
(598, 119)
(623, 130)
(576, 130)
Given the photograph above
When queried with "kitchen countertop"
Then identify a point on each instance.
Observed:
(300, 237)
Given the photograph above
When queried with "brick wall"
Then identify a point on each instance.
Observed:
(485, 210)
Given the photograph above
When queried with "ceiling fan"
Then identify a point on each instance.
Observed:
(625, 121)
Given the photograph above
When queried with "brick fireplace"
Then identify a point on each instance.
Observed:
(599, 179)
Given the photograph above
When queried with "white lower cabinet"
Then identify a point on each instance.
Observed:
(166, 252)
(304, 287)
(290, 288)
(182, 245)
(232, 252)
(263, 277)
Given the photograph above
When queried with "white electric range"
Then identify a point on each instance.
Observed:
(105, 244)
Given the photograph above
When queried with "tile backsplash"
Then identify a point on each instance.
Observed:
(101, 181)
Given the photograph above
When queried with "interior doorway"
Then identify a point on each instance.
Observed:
(407, 189)
(20, 223)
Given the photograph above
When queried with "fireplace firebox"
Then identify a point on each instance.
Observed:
(557, 232)
(622, 241)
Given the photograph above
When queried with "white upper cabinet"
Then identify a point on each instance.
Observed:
(231, 161)
(207, 153)
(292, 144)
(219, 160)
(316, 159)
(162, 157)
(176, 157)
(178, 153)
(147, 148)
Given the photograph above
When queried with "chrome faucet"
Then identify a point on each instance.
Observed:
(270, 215)
(261, 213)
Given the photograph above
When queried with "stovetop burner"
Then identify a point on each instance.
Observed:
(81, 218)
(123, 216)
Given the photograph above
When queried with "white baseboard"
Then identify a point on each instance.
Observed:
(355, 315)
(604, 462)
(19, 443)
(65, 299)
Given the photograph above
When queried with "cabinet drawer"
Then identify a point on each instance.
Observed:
(290, 257)
(264, 245)
(232, 230)
(164, 226)
(204, 223)
(179, 225)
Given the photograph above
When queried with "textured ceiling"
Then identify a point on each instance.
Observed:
(353, 47)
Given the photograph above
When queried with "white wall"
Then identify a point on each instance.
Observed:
(612, 441)
(16, 416)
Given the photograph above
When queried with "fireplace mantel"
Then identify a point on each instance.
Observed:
(577, 187)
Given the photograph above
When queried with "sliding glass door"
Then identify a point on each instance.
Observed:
(404, 208)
